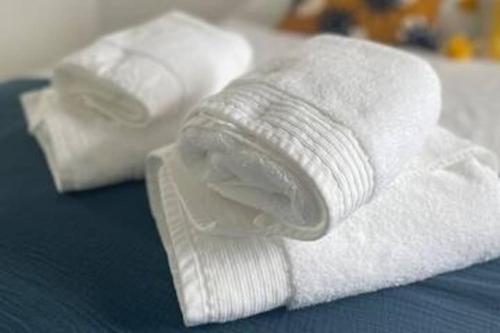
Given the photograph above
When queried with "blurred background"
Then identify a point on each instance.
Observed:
(36, 34)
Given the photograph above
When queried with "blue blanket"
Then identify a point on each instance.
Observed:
(93, 262)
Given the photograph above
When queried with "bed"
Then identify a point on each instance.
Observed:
(93, 262)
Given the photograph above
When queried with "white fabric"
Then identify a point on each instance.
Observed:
(162, 67)
(83, 150)
(310, 137)
(442, 213)
(471, 99)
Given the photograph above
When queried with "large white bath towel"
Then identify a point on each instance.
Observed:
(162, 67)
(310, 137)
(442, 213)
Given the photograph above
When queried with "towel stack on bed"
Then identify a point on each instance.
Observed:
(319, 175)
(126, 94)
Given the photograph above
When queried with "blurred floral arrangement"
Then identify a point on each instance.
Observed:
(460, 29)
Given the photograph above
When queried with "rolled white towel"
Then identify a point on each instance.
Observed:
(422, 225)
(310, 137)
(162, 67)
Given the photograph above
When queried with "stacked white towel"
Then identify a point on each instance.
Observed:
(126, 94)
(420, 226)
(310, 137)
(339, 130)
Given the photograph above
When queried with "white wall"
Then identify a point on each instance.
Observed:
(36, 33)
(116, 14)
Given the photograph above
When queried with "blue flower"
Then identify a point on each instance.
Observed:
(336, 21)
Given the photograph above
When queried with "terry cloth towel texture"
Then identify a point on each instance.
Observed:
(420, 226)
(310, 137)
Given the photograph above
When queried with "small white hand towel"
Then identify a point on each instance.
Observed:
(125, 95)
(310, 137)
(162, 67)
(422, 225)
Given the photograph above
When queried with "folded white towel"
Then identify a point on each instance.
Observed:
(164, 66)
(83, 151)
(422, 225)
(310, 137)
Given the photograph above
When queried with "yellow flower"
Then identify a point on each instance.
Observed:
(459, 47)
